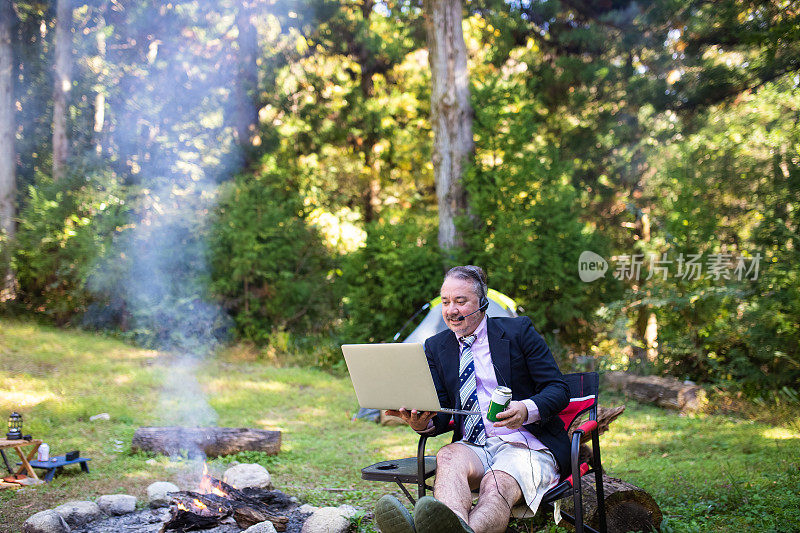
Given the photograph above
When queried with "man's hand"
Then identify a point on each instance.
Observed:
(418, 420)
(513, 417)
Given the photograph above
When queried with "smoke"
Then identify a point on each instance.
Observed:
(174, 101)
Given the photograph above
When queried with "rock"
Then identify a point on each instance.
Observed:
(101, 416)
(157, 493)
(45, 522)
(261, 527)
(348, 511)
(294, 499)
(247, 475)
(117, 504)
(79, 513)
(307, 509)
(329, 520)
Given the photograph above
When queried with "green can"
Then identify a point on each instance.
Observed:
(501, 397)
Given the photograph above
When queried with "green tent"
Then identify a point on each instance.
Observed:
(433, 323)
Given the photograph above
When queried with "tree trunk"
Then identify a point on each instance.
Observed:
(246, 85)
(628, 508)
(451, 114)
(63, 84)
(100, 97)
(212, 441)
(8, 179)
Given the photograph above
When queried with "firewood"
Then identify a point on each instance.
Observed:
(605, 415)
(211, 441)
(664, 392)
(244, 510)
(628, 507)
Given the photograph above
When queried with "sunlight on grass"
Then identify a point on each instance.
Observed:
(715, 471)
(220, 385)
(23, 392)
(779, 433)
(272, 423)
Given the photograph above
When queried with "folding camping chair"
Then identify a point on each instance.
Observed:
(583, 391)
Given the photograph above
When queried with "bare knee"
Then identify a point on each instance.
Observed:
(499, 484)
(456, 460)
(449, 454)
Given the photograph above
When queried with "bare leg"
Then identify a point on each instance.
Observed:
(499, 492)
(458, 470)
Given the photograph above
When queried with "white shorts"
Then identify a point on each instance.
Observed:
(535, 471)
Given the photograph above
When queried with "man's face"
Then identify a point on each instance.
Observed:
(459, 298)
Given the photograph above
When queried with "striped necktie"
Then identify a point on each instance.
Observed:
(474, 431)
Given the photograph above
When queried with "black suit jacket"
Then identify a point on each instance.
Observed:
(522, 362)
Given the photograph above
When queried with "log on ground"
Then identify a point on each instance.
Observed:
(670, 393)
(628, 507)
(209, 441)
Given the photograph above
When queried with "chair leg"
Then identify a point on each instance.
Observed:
(598, 480)
(421, 466)
(576, 482)
(405, 491)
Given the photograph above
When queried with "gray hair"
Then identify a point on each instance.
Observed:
(472, 273)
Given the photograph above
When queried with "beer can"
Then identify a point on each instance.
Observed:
(501, 397)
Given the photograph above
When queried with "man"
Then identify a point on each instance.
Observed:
(514, 460)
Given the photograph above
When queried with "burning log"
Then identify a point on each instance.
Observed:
(212, 441)
(218, 500)
(190, 511)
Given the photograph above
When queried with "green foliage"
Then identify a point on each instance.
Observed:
(397, 271)
(528, 233)
(269, 266)
(732, 188)
(66, 229)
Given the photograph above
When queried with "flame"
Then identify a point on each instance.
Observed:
(206, 487)
(200, 505)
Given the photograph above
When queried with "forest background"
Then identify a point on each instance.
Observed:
(197, 172)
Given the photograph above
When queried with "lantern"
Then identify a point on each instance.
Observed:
(14, 426)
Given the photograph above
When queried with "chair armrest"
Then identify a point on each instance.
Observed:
(589, 425)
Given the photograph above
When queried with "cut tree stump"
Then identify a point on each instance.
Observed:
(670, 393)
(628, 508)
(211, 441)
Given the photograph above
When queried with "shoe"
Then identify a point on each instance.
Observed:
(391, 516)
(432, 516)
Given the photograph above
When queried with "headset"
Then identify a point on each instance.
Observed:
(483, 301)
(483, 304)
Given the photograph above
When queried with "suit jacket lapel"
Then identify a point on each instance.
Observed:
(449, 360)
(500, 349)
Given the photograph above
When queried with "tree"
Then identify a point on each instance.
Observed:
(451, 115)
(8, 179)
(246, 82)
(62, 86)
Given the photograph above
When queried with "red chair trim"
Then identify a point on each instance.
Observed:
(583, 470)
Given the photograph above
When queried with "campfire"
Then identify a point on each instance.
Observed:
(216, 501)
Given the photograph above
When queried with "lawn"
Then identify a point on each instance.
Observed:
(707, 472)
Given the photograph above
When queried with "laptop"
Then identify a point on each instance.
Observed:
(393, 375)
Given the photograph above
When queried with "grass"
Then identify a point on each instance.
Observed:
(707, 472)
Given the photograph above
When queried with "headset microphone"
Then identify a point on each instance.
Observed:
(484, 306)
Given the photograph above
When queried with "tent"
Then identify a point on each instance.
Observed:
(500, 305)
